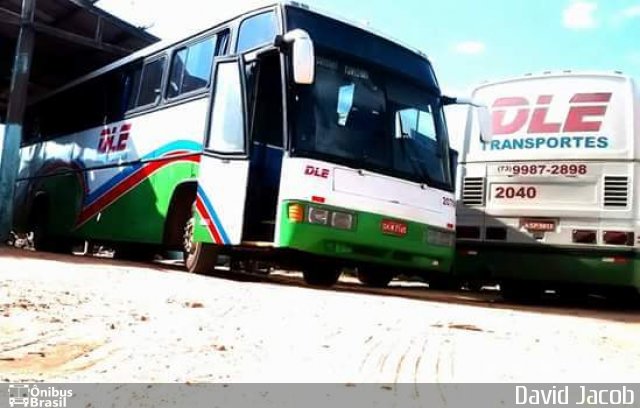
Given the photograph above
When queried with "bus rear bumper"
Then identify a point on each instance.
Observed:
(588, 266)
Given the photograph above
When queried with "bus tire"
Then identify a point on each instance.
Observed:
(321, 275)
(178, 214)
(199, 257)
(42, 239)
(374, 277)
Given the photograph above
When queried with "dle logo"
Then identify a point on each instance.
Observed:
(114, 139)
(584, 106)
(515, 114)
(317, 172)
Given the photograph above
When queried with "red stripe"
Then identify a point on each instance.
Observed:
(591, 97)
(127, 185)
(202, 210)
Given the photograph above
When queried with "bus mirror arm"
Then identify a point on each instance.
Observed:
(302, 55)
(484, 117)
(453, 100)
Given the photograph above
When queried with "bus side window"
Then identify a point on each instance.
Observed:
(131, 87)
(191, 68)
(197, 73)
(222, 45)
(177, 72)
(151, 83)
(226, 134)
(257, 31)
(191, 65)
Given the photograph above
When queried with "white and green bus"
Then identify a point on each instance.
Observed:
(283, 135)
(549, 203)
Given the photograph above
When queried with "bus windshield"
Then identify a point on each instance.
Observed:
(352, 113)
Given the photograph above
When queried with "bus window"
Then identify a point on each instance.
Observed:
(267, 118)
(223, 42)
(177, 71)
(257, 31)
(191, 66)
(132, 87)
(226, 134)
(198, 67)
(150, 85)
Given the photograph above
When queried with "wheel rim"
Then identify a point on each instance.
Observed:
(187, 241)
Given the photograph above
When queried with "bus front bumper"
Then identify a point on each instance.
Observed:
(366, 243)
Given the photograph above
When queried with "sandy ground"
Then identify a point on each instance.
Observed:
(76, 319)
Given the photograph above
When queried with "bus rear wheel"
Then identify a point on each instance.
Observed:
(199, 257)
(374, 277)
(321, 275)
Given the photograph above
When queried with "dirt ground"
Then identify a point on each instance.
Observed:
(80, 319)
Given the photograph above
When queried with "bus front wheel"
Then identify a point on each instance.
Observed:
(321, 275)
(199, 257)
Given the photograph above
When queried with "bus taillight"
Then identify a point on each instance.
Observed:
(584, 236)
(618, 238)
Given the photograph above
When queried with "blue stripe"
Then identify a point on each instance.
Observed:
(174, 146)
(214, 216)
(130, 170)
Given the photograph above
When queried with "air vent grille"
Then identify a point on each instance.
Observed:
(473, 191)
(616, 191)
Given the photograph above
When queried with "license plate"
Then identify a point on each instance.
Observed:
(391, 227)
(537, 225)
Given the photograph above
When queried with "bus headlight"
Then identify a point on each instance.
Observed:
(342, 220)
(318, 216)
(441, 238)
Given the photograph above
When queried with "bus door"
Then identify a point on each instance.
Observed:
(224, 167)
(264, 89)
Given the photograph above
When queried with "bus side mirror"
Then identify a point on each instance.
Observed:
(484, 117)
(303, 56)
(486, 127)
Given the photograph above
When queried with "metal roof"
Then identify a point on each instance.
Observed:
(73, 37)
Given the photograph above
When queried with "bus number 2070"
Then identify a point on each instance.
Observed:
(526, 193)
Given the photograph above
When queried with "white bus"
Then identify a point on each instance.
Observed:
(548, 203)
(283, 134)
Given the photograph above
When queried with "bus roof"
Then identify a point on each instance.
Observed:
(229, 17)
(555, 74)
